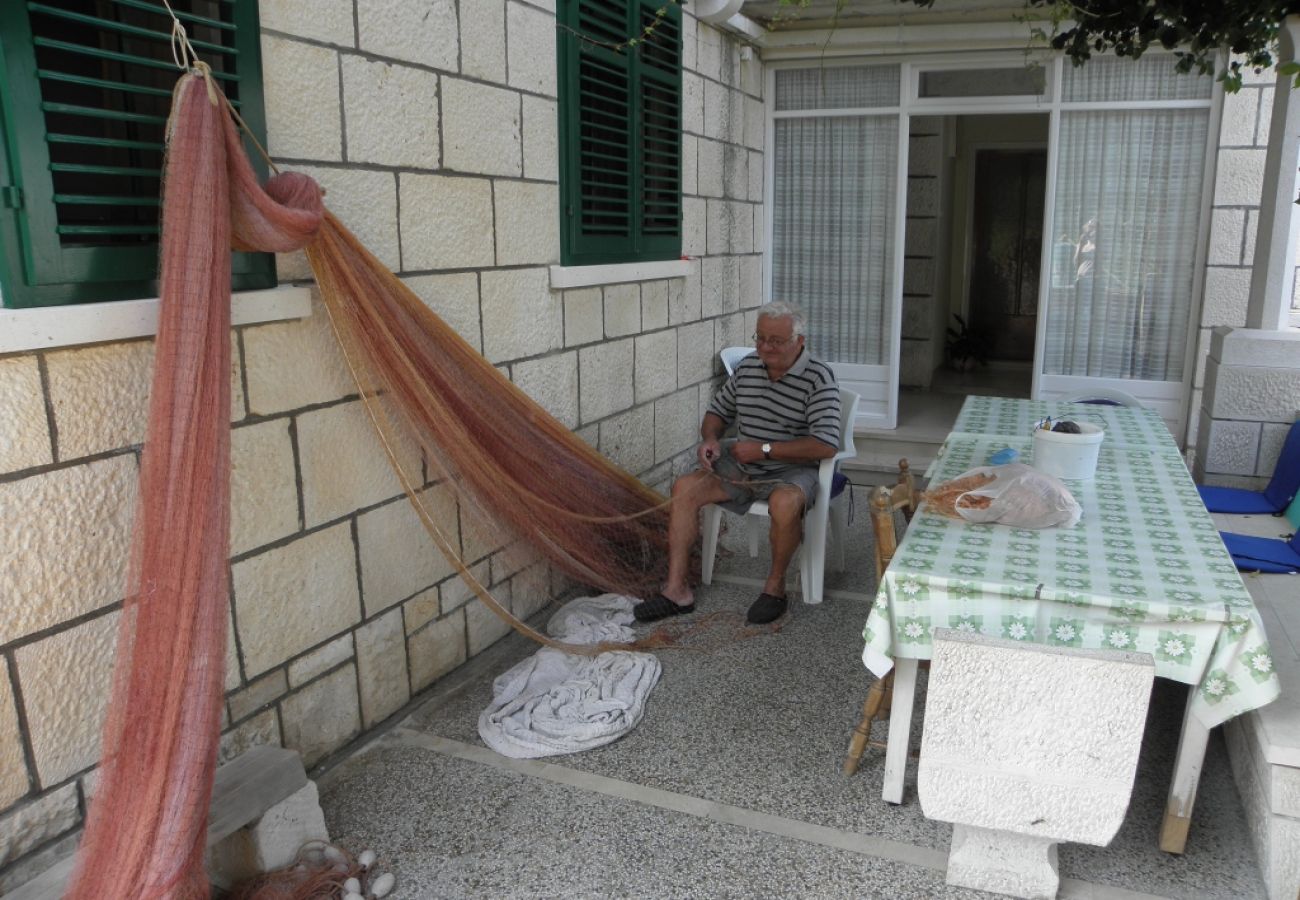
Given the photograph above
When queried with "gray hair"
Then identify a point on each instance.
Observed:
(778, 309)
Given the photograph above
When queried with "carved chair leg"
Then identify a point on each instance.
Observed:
(877, 703)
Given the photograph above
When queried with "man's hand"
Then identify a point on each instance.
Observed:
(747, 451)
(709, 451)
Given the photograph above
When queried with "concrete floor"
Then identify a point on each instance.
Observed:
(731, 784)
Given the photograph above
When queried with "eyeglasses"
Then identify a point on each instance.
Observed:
(760, 340)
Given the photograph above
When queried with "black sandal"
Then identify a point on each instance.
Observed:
(659, 607)
(767, 608)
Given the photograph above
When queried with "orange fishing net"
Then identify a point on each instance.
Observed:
(451, 424)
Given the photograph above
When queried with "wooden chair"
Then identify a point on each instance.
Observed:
(884, 503)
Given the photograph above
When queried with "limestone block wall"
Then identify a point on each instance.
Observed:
(923, 266)
(432, 126)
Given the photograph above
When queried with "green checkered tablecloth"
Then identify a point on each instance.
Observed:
(1125, 426)
(1143, 570)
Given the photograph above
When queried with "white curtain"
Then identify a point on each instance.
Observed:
(1128, 193)
(833, 230)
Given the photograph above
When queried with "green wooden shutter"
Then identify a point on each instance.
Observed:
(620, 126)
(85, 88)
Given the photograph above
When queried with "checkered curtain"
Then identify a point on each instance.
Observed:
(1128, 194)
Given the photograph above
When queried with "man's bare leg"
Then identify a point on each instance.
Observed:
(785, 508)
(691, 493)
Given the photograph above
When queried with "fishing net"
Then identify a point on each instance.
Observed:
(452, 425)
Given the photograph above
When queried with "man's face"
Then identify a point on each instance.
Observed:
(777, 346)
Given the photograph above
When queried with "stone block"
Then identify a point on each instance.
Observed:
(321, 660)
(511, 559)
(677, 428)
(480, 536)
(327, 21)
(742, 227)
(1254, 347)
(694, 233)
(527, 217)
(483, 627)
(418, 31)
(259, 693)
(530, 49)
(366, 202)
(717, 111)
(64, 542)
(1240, 115)
(692, 103)
(1252, 228)
(446, 221)
(922, 197)
(925, 155)
(918, 312)
(455, 593)
(606, 379)
(420, 610)
(920, 237)
(696, 353)
(323, 716)
(1227, 235)
(436, 650)
(100, 396)
(454, 297)
(584, 319)
(294, 364)
(656, 365)
(25, 439)
(261, 730)
(481, 129)
(553, 382)
(343, 465)
(381, 667)
(1252, 394)
(294, 597)
(709, 45)
(1015, 769)
(1265, 118)
(13, 766)
(398, 557)
(65, 681)
(628, 439)
(1239, 177)
(37, 822)
(530, 590)
(521, 315)
(684, 298)
(1226, 294)
(1271, 439)
(711, 178)
(755, 177)
(300, 84)
(1233, 447)
(760, 229)
(622, 309)
(718, 228)
(732, 331)
(916, 365)
(690, 169)
(391, 112)
(918, 276)
(541, 144)
(483, 39)
(263, 485)
(272, 842)
(654, 304)
(38, 862)
(689, 27)
(751, 281)
(755, 130)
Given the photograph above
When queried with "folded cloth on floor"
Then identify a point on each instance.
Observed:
(554, 702)
(1261, 554)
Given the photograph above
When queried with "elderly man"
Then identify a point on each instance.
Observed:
(787, 409)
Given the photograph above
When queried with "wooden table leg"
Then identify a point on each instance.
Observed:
(1187, 775)
(900, 729)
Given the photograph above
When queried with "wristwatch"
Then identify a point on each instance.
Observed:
(767, 451)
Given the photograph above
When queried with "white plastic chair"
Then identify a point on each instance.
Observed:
(812, 549)
(731, 357)
(1105, 397)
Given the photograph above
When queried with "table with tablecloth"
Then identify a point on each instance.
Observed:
(1144, 570)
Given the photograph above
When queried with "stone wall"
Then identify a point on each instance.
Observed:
(923, 251)
(432, 126)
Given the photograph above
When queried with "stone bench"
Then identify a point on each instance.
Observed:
(1026, 746)
(263, 810)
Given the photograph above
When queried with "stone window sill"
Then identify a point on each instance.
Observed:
(586, 276)
(48, 327)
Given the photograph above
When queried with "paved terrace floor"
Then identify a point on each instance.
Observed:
(731, 784)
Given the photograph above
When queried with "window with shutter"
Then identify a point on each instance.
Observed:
(85, 88)
(620, 127)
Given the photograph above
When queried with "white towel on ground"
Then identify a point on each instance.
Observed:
(554, 702)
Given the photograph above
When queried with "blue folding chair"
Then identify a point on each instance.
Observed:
(1273, 499)
(1261, 554)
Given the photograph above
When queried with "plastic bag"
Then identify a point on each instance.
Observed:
(1018, 495)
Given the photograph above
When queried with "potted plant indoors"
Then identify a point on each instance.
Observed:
(965, 347)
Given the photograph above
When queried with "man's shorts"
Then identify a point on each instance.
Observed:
(743, 488)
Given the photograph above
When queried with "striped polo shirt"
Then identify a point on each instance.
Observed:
(804, 402)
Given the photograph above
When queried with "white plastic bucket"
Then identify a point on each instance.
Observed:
(1068, 455)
